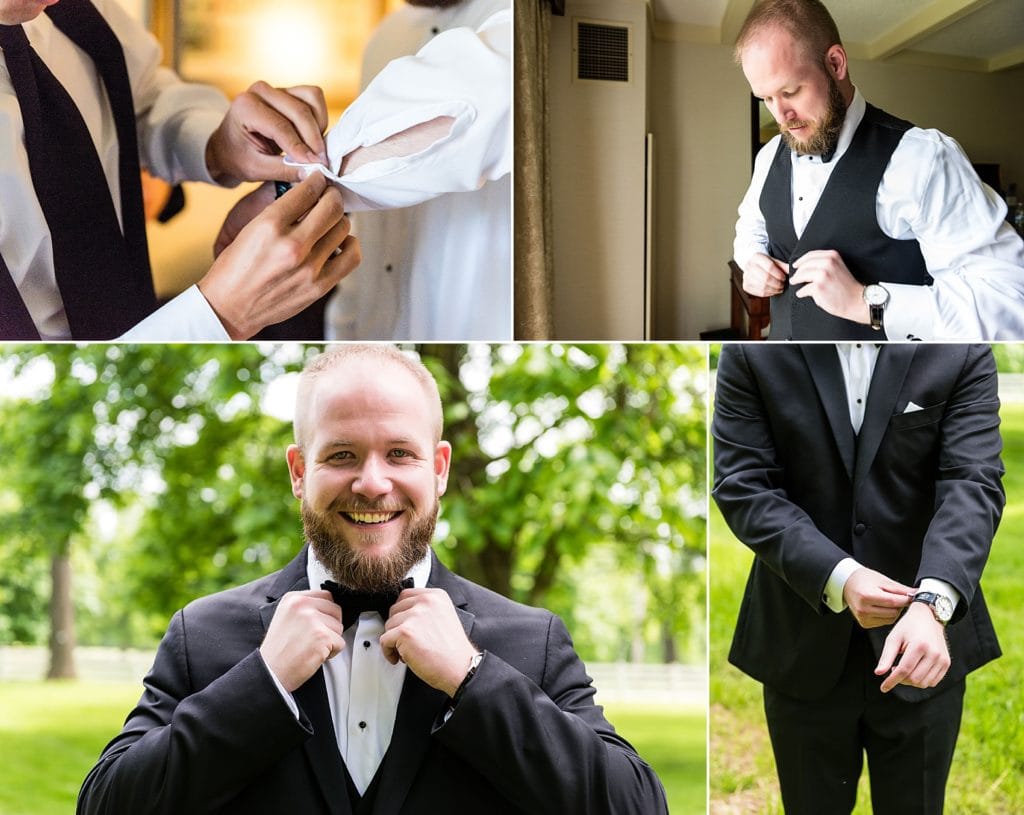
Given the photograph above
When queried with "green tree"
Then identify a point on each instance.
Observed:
(557, 449)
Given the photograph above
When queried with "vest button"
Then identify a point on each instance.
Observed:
(859, 529)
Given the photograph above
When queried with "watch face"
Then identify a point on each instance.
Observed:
(875, 295)
(943, 608)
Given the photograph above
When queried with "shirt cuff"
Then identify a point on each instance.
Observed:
(833, 595)
(186, 318)
(933, 584)
(289, 700)
(911, 313)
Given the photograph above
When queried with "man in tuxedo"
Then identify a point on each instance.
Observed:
(867, 482)
(364, 677)
(859, 225)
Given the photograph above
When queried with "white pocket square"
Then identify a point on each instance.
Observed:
(911, 408)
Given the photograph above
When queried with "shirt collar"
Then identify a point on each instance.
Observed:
(317, 573)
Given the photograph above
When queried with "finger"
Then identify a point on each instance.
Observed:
(326, 213)
(314, 97)
(343, 264)
(326, 246)
(300, 199)
(388, 647)
(890, 650)
(289, 122)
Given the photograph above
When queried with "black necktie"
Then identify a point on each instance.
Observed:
(103, 275)
(353, 603)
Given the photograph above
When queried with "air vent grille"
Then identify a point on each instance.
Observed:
(602, 52)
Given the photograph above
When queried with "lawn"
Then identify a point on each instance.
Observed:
(52, 732)
(988, 769)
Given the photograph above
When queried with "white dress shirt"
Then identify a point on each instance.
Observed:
(363, 688)
(440, 270)
(931, 193)
(857, 361)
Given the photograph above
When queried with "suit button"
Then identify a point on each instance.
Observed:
(859, 529)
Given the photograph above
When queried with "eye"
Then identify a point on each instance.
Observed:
(398, 452)
(340, 455)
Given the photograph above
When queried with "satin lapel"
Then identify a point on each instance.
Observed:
(890, 371)
(827, 375)
(418, 707)
(322, 747)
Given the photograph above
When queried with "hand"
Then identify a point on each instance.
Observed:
(921, 639)
(424, 631)
(262, 123)
(247, 208)
(831, 285)
(764, 276)
(306, 632)
(282, 261)
(874, 599)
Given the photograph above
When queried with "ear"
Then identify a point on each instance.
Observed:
(296, 468)
(442, 464)
(835, 58)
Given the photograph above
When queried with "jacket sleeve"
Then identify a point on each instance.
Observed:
(749, 487)
(969, 495)
(184, 749)
(548, 747)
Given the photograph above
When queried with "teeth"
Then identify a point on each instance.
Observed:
(371, 517)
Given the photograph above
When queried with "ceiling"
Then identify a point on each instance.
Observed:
(973, 35)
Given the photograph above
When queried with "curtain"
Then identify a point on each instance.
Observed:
(532, 184)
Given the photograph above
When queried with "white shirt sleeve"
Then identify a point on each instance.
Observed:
(833, 595)
(186, 318)
(175, 119)
(751, 232)
(940, 587)
(930, 192)
(462, 74)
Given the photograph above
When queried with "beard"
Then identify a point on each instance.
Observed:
(826, 130)
(357, 569)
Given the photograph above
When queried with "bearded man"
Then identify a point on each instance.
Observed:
(857, 224)
(364, 677)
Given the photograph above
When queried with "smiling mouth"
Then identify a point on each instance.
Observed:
(369, 518)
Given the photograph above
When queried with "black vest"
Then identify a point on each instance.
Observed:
(844, 220)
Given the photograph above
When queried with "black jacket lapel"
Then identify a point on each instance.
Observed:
(890, 372)
(827, 374)
(322, 747)
(419, 707)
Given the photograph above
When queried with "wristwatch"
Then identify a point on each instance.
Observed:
(877, 298)
(942, 606)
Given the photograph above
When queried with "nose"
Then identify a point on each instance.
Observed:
(372, 480)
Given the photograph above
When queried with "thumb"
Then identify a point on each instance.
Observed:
(891, 650)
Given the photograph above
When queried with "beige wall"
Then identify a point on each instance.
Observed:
(598, 132)
(700, 119)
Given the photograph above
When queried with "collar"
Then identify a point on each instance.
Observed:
(317, 572)
(854, 116)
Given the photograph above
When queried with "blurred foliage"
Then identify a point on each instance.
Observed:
(578, 482)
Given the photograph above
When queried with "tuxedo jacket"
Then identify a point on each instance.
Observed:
(916, 493)
(212, 734)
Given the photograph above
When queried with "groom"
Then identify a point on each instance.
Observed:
(312, 690)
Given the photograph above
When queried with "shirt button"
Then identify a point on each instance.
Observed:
(362, 725)
(366, 643)
(387, 268)
(859, 401)
(435, 30)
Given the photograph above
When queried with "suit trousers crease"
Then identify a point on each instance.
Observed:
(819, 745)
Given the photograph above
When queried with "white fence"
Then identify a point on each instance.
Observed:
(615, 681)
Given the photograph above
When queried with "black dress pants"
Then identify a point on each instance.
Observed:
(819, 745)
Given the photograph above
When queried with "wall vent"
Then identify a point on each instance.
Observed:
(603, 51)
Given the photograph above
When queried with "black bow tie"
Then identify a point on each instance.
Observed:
(353, 603)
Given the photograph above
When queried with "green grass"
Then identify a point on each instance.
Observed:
(987, 777)
(51, 734)
(672, 740)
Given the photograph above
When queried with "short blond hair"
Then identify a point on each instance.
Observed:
(382, 354)
(807, 21)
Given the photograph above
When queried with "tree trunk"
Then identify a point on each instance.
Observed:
(670, 652)
(62, 619)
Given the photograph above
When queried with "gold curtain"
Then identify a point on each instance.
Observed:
(532, 223)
